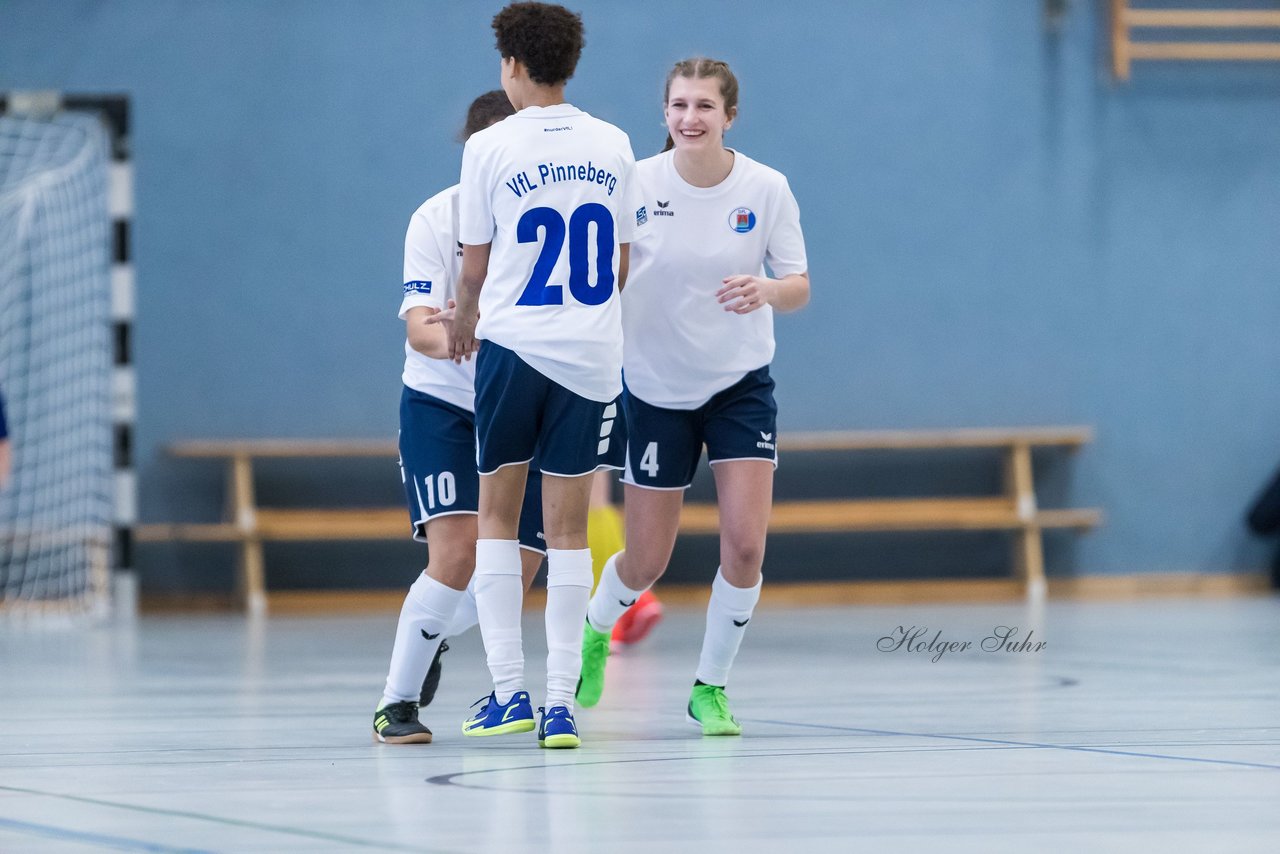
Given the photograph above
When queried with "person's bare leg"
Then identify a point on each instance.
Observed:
(530, 563)
(607, 537)
(654, 517)
(604, 523)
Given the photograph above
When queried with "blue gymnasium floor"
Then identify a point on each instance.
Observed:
(1140, 726)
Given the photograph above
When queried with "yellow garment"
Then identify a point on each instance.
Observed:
(605, 537)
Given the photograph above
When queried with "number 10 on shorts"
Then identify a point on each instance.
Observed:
(448, 492)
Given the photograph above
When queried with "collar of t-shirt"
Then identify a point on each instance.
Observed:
(555, 111)
(673, 174)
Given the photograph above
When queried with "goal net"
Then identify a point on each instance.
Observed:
(55, 363)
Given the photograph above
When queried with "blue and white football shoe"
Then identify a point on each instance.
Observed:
(495, 718)
(557, 728)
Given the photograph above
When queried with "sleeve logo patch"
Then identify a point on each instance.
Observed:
(418, 287)
(642, 216)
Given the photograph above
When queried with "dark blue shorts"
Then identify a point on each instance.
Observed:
(663, 445)
(438, 467)
(520, 413)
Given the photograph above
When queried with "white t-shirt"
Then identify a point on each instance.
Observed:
(432, 261)
(681, 346)
(555, 192)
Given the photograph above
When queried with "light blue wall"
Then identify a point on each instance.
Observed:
(998, 233)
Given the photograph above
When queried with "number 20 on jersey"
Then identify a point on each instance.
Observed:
(551, 224)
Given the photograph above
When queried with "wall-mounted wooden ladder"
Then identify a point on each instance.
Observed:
(1125, 50)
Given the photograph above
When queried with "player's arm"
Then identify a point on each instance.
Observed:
(629, 226)
(475, 267)
(784, 253)
(624, 264)
(744, 293)
(426, 280)
(476, 228)
(429, 339)
(790, 293)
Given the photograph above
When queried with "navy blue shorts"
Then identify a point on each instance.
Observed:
(520, 413)
(438, 467)
(663, 445)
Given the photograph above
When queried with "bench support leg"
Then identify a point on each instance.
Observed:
(1028, 560)
(1028, 547)
(242, 509)
(250, 582)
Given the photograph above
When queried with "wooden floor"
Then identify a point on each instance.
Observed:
(1139, 727)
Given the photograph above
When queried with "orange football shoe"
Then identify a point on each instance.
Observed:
(637, 621)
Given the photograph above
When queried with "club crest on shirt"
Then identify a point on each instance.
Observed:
(742, 220)
(642, 216)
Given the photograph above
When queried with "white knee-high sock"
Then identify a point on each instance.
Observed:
(728, 612)
(466, 614)
(499, 595)
(428, 608)
(568, 589)
(611, 599)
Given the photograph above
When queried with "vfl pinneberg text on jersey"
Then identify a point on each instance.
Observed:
(551, 173)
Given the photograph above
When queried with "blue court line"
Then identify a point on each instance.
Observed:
(118, 843)
(1033, 744)
(229, 822)
(450, 779)
(453, 779)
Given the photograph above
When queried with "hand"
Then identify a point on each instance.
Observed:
(743, 294)
(460, 329)
(6, 461)
(445, 315)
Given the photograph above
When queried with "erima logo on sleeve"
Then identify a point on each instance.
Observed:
(642, 216)
(417, 287)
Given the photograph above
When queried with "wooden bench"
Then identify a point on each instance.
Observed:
(1014, 510)
(1125, 49)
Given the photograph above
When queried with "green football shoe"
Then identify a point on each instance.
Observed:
(709, 709)
(595, 651)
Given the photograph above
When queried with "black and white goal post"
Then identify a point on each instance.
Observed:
(66, 371)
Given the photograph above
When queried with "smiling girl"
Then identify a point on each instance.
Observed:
(723, 253)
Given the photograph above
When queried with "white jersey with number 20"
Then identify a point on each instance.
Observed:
(554, 191)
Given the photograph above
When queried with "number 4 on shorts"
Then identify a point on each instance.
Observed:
(649, 460)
